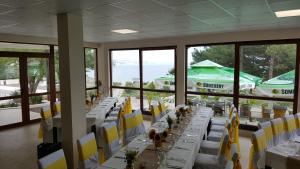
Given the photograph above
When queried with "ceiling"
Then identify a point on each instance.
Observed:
(152, 18)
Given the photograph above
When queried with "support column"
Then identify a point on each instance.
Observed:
(72, 83)
(180, 74)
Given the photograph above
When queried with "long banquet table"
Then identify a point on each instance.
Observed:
(184, 151)
(97, 114)
(279, 155)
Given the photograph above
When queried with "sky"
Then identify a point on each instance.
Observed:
(150, 57)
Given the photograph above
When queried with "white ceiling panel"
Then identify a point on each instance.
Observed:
(152, 18)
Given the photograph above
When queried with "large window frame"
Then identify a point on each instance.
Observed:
(51, 93)
(236, 93)
(141, 89)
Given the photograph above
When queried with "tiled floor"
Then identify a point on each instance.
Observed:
(18, 148)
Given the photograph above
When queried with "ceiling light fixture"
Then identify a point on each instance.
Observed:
(124, 31)
(288, 13)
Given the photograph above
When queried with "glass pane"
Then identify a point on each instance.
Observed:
(18, 47)
(35, 105)
(154, 97)
(122, 93)
(125, 68)
(268, 70)
(90, 67)
(211, 69)
(37, 75)
(159, 69)
(56, 67)
(91, 94)
(9, 77)
(219, 104)
(10, 111)
(253, 111)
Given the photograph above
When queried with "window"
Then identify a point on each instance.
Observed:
(262, 89)
(147, 75)
(125, 68)
(270, 87)
(210, 76)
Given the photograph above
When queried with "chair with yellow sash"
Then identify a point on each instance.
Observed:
(208, 161)
(111, 143)
(297, 119)
(87, 151)
(162, 107)
(55, 160)
(290, 126)
(46, 126)
(155, 113)
(235, 156)
(235, 122)
(279, 133)
(223, 122)
(57, 107)
(212, 147)
(133, 126)
(266, 126)
(258, 148)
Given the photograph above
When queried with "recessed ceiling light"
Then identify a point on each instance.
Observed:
(124, 31)
(288, 13)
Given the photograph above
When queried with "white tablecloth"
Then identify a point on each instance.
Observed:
(184, 151)
(96, 115)
(276, 156)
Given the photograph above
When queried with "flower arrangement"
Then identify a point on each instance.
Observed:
(130, 158)
(151, 134)
(164, 135)
(182, 111)
(170, 121)
(157, 140)
(178, 114)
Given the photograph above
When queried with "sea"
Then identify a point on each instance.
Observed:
(124, 73)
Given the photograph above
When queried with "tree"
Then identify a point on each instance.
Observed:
(221, 54)
(37, 69)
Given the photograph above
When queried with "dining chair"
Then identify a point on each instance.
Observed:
(266, 126)
(217, 135)
(57, 107)
(111, 143)
(235, 156)
(87, 151)
(46, 125)
(297, 119)
(133, 126)
(290, 126)
(223, 122)
(129, 105)
(279, 134)
(229, 165)
(55, 160)
(258, 148)
(208, 161)
(235, 122)
(155, 112)
(213, 147)
(162, 107)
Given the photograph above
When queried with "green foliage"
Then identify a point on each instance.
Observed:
(265, 61)
(90, 58)
(35, 99)
(117, 84)
(9, 104)
(172, 71)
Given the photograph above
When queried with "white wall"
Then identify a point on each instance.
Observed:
(180, 42)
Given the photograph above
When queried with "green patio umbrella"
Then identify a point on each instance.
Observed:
(280, 86)
(210, 75)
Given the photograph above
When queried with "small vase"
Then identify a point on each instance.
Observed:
(129, 166)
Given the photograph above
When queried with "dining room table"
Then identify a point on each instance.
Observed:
(178, 153)
(285, 155)
(96, 115)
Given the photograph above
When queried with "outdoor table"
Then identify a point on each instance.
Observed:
(278, 156)
(93, 117)
(184, 150)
